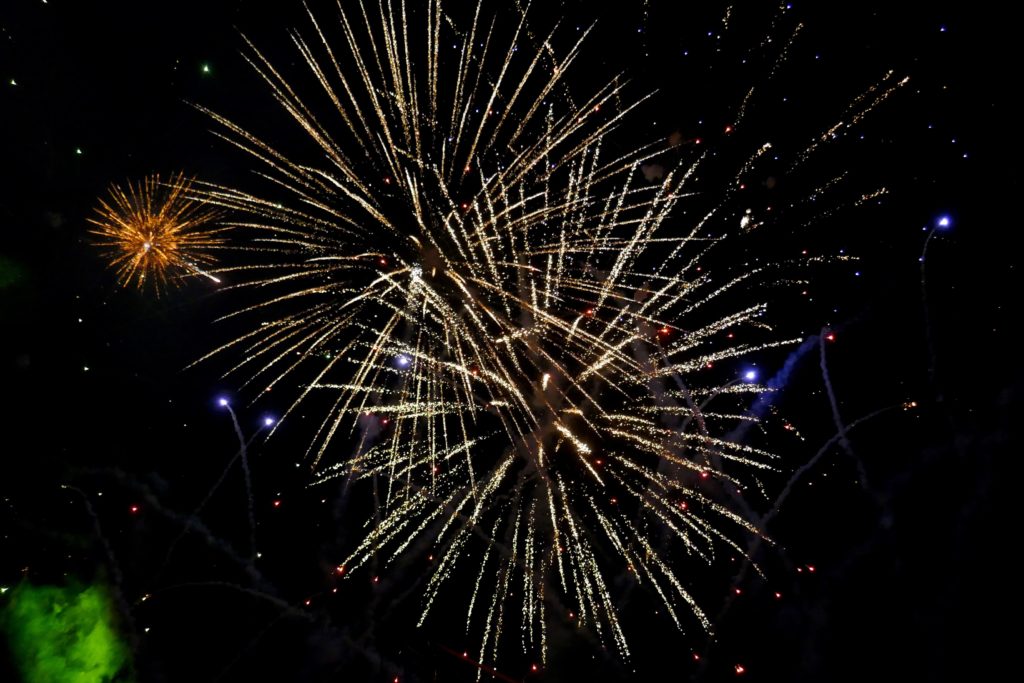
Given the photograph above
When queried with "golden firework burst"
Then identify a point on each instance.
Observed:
(154, 231)
(489, 309)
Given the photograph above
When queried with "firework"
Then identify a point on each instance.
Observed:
(153, 232)
(498, 325)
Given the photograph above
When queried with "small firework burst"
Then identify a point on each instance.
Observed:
(153, 232)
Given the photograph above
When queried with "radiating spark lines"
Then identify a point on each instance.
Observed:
(472, 281)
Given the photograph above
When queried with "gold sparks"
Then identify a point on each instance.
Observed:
(489, 310)
(154, 232)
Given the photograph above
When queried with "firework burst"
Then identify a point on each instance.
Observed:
(154, 232)
(483, 295)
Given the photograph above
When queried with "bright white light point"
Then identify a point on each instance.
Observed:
(4, 589)
(544, 382)
(146, 246)
(416, 273)
(85, 368)
(746, 220)
(222, 401)
(404, 360)
(78, 150)
(267, 421)
(206, 68)
(750, 375)
(944, 222)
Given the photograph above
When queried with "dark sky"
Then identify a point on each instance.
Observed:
(911, 569)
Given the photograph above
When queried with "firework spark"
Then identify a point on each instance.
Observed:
(492, 311)
(154, 232)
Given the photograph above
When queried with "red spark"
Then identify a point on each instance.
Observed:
(483, 667)
(740, 669)
(133, 509)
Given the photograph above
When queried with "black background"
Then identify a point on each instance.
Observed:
(913, 574)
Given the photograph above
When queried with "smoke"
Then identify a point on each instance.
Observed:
(65, 633)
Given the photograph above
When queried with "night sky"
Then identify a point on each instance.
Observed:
(892, 564)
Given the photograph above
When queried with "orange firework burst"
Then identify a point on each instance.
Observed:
(153, 231)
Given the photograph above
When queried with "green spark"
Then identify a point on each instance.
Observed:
(206, 68)
(78, 150)
(64, 634)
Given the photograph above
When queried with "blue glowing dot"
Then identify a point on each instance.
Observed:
(222, 401)
(268, 421)
(750, 375)
(944, 222)
(403, 361)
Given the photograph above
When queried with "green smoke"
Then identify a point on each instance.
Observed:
(10, 272)
(64, 634)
